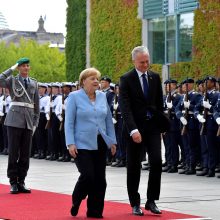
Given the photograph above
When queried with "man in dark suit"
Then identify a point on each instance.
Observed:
(141, 103)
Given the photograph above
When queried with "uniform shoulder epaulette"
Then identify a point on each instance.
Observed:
(32, 78)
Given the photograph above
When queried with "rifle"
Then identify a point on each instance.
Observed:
(202, 130)
(48, 124)
(62, 114)
(186, 99)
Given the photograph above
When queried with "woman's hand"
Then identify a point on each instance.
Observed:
(113, 149)
(73, 150)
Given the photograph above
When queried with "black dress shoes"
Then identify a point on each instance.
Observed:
(173, 169)
(75, 208)
(204, 172)
(211, 173)
(22, 188)
(150, 205)
(14, 189)
(136, 210)
(93, 215)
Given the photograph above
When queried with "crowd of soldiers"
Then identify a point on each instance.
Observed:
(192, 145)
(49, 138)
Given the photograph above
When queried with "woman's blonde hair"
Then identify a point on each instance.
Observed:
(87, 73)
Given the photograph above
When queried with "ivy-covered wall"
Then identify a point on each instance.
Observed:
(206, 39)
(75, 39)
(115, 31)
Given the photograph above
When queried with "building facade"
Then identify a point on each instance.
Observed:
(41, 36)
(167, 29)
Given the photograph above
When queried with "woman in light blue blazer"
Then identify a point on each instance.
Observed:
(89, 131)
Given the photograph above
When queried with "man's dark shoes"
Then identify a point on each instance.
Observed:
(173, 169)
(204, 172)
(93, 215)
(75, 208)
(136, 210)
(150, 205)
(14, 189)
(22, 188)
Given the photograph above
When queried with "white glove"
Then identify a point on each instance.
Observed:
(206, 104)
(3, 102)
(14, 67)
(183, 121)
(200, 118)
(218, 120)
(186, 104)
(1, 114)
(114, 121)
(47, 117)
(51, 104)
(169, 104)
(60, 117)
(34, 129)
(63, 107)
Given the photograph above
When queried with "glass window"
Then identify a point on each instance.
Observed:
(171, 39)
(156, 36)
(185, 36)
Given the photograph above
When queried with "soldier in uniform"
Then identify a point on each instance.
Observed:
(174, 134)
(4, 108)
(191, 139)
(60, 113)
(22, 120)
(41, 132)
(211, 126)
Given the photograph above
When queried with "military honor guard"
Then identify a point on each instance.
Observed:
(190, 125)
(173, 136)
(21, 121)
(41, 132)
(60, 113)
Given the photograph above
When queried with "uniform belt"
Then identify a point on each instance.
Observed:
(23, 104)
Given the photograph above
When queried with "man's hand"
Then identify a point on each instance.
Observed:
(186, 104)
(34, 129)
(201, 118)
(73, 150)
(206, 104)
(169, 105)
(183, 121)
(14, 67)
(1, 114)
(113, 149)
(60, 117)
(137, 137)
(218, 120)
(47, 117)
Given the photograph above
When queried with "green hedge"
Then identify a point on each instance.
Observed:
(75, 38)
(206, 40)
(115, 31)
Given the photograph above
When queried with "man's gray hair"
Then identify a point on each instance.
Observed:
(139, 49)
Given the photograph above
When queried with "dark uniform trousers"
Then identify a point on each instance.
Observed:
(92, 180)
(19, 147)
(152, 144)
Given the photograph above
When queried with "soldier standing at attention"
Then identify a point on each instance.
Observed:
(22, 120)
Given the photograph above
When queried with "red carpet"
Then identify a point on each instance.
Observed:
(42, 205)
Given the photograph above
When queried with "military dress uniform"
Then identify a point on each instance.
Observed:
(22, 119)
(41, 132)
(4, 108)
(174, 133)
(211, 128)
(191, 140)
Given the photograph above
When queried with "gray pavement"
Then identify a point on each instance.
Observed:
(179, 193)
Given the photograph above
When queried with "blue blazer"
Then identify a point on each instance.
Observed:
(85, 120)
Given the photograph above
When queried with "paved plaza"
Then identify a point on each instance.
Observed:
(179, 193)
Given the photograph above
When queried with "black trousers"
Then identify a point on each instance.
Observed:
(92, 180)
(152, 144)
(19, 147)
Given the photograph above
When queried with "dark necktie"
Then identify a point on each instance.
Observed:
(25, 83)
(145, 85)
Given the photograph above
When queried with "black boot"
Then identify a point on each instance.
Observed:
(204, 172)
